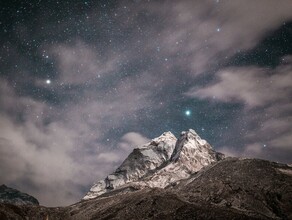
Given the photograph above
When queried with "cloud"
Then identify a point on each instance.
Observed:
(45, 138)
(127, 143)
(283, 141)
(69, 136)
(79, 63)
(253, 86)
(200, 35)
(30, 152)
(36, 158)
(266, 95)
(228, 151)
(253, 150)
(132, 140)
(109, 157)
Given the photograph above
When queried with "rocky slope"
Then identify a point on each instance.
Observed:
(253, 186)
(13, 196)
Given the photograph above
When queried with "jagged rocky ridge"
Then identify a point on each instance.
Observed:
(13, 196)
(161, 162)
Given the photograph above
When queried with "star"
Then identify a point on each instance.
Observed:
(218, 29)
(48, 81)
(188, 112)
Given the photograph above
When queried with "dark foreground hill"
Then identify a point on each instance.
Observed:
(232, 188)
(13, 196)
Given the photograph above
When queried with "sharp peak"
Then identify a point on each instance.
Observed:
(189, 134)
(189, 131)
(169, 133)
(164, 135)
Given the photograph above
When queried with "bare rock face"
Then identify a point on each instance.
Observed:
(13, 196)
(159, 163)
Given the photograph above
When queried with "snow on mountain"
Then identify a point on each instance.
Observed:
(140, 162)
(159, 163)
(191, 153)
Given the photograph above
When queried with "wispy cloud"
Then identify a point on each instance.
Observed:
(45, 138)
(132, 140)
(266, 95)
(198, 36)
(79, 63)
(252, 85)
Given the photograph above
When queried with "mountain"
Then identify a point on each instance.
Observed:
(13, 196)
(159, 163)
(233, 188)
(182, 178)
(138, 164)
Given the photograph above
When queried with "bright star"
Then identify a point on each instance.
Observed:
(48, 81)
(188, 112)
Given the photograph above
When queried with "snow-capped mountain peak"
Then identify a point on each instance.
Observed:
(188, 139)
(159, 163)
(139, 163)
(192, 151)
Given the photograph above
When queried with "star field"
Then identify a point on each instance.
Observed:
(84, 82)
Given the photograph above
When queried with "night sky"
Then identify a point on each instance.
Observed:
(84, 82)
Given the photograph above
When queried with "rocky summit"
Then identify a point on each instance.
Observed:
(184, 178)
(161, 162)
